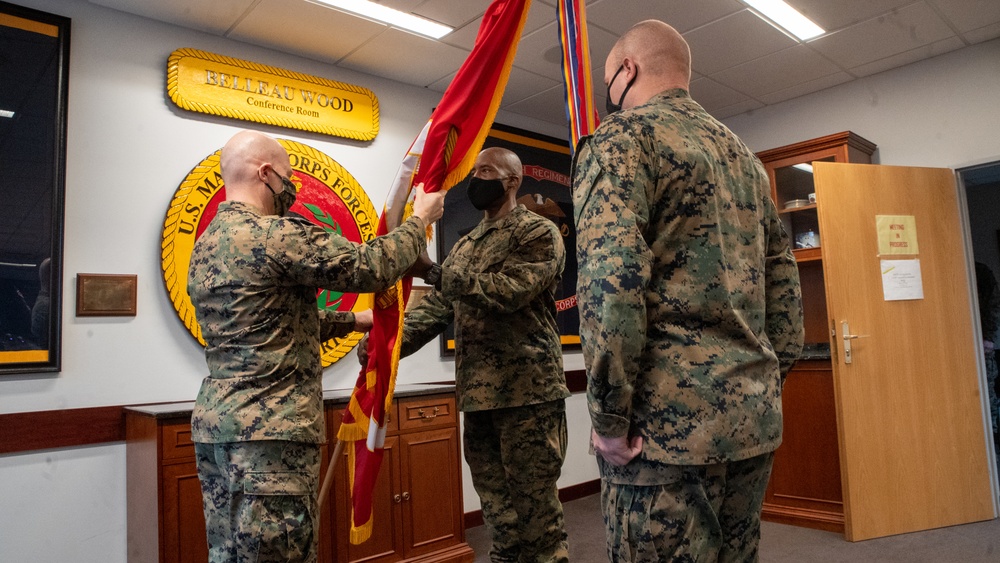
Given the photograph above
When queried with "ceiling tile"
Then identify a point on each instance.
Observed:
(903, 30)
(776, 71)
(832, 16)
(967, 15)
(402, 5)
(991, 31)
(547, 106)
(617, 16)
(601, 43)
(539, 16)
(919, 54)
(733, 40)
(405, 57)
(451, 12)
(539, 52)
(213, 17)
(277, 24)
(523, 84)
(442, 84)
(712, 95)
(737, 109)
(806, 87)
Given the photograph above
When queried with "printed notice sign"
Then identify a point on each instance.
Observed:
(897, 234)
(901, 280)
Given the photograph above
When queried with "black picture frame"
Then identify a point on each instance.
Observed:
(546, 161)
(33, 111)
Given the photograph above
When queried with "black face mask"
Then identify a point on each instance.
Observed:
(484, 193)
(608, 104)
(284, 199)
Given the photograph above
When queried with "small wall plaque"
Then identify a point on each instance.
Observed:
(105, 295)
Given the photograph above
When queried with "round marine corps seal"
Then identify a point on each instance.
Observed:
(329, 197)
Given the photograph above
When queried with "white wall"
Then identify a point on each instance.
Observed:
(129, 148)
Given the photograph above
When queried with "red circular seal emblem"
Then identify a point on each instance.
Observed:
(329, 197)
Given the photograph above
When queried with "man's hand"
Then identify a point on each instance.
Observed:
(363, 351)
(421, 266)
(428, 206)
(363, 321)
(616, 451)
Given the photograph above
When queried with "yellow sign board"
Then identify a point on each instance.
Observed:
(897, 234)
(218, 85)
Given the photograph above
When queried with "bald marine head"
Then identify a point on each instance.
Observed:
(256, 170)
(649, 58)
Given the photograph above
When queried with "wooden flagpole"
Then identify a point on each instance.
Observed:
(332, 466)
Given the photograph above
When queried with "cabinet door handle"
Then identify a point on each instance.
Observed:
(396, 499)
(406, 496)
(426, 416)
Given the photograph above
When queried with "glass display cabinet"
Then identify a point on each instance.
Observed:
(805, 487)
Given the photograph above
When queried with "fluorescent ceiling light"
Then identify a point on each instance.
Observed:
(6, 113)
(786, 17)
(396, 18)
(804, 167)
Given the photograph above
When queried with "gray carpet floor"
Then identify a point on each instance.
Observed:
(971, 543)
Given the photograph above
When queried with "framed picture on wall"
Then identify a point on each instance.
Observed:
(33, 90)
(546, 189)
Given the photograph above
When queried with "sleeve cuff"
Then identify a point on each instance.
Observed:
(609, 425)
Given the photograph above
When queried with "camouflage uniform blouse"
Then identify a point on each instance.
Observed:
(498, 284)
(688, 291)
(253, 281)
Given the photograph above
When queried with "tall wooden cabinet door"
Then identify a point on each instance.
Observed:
(184, 539)
(432, 497)
(386, 542)
(912, 442)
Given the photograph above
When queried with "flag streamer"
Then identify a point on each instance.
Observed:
(576, 66)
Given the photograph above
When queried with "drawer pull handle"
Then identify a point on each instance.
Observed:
(396, 499)
(426, 416)
(406, 496)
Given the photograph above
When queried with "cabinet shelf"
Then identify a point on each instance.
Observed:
(796, 209)
(808, 254)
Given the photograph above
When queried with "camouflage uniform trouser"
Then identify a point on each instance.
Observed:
(260, 500)
(708, 513)
(515, 456)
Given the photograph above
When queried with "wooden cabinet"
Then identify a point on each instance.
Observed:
(418, 490)
(805, 487)
(418, 506)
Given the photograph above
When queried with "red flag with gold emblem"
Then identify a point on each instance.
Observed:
(440, 157)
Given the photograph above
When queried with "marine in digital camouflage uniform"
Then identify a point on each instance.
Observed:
(690, 312)
(498, 285)
(258, 420)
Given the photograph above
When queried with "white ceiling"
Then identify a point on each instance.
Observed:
(741, 63)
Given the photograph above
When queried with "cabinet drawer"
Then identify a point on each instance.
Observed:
(417, 413)
(177, 442)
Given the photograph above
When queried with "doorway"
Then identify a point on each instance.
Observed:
(982, 194)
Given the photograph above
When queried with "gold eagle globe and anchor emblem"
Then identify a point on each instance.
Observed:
(329, 197)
